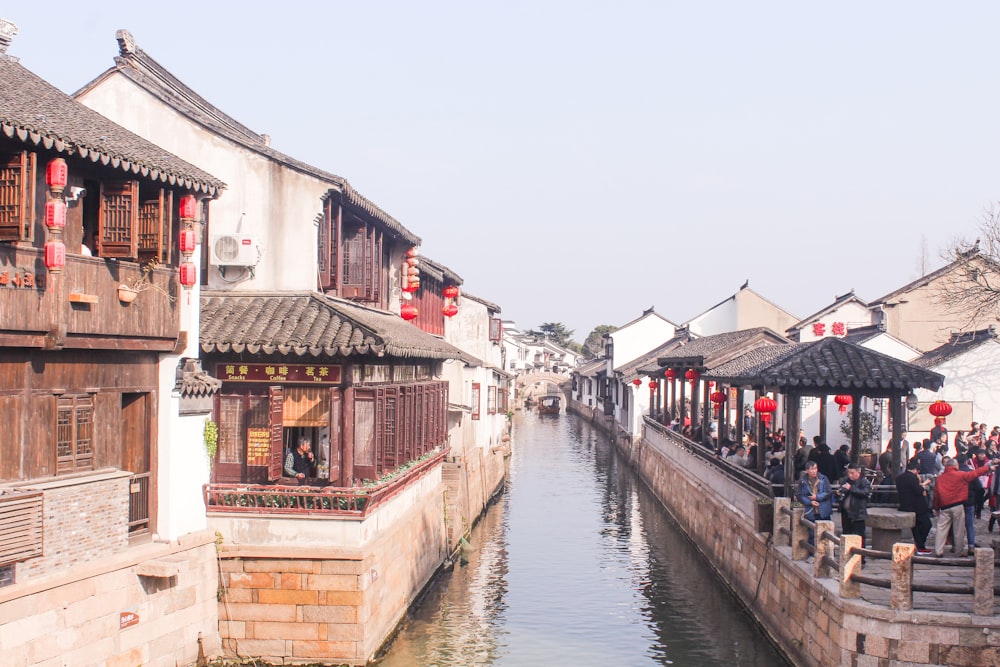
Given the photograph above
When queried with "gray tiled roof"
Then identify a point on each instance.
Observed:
(37, 113)
(827, 366)
(711, 350)
(959, 343)
(313, 325)
(137, 66)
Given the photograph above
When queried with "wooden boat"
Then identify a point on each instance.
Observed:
(548, 405)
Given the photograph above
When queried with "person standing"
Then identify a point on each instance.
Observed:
(913, 498)
(299, 461)
(815, 493)
(855, 489)
(951, 490)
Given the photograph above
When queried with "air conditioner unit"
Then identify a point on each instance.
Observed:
(233, 250)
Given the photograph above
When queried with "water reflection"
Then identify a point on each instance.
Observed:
(577, 564)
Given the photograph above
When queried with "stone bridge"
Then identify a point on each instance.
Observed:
(538, 383)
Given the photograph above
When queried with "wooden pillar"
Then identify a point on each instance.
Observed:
(896, 415)
(739, 415)
(792, 402)
(855, 429)
(822, 419)
(680, 414)
(347, 465)
(706, 412)
(695, 405)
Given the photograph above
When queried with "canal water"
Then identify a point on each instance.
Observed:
(577, 564)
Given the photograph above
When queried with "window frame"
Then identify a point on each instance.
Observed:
(23, 166)
(77, 406)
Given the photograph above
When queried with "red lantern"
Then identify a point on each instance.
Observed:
(692, 375)
(451, 310)
(940, 409)
(718, 398)
(450, 292)
(55, 256)
(653, 384)
(408, 312)
(189, 274)
(57, 175)
(670, 374)
(189, 207)
(412, 252)
(637, 382)
(765, 406)
(187, 241)
(843, 400)
(55, 214)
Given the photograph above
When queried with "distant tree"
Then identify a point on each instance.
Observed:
(555, 332)
(972, 289)
(594, 345)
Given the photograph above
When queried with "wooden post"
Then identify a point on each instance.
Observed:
(799, 534)
(982, 582)
(782, 520)
(896, 414)
(822, 419)
(901, 593)
(849, 565)
(680, 414)
(820, 569)
(792, 402)
(855, 429)
(739, 415)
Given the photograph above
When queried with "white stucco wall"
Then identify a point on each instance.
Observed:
(722, 318)
(851, 313)
(969, 378)
(273, 202)
(639, 337)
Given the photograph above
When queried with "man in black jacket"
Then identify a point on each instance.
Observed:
(913, 498)
(853, 494)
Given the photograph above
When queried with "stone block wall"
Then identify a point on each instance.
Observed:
(803, 615)
(108, 613)
(307, 604)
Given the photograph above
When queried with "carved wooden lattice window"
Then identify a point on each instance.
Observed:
(154, 227)
(75, 434)
(117, 235)
(231, 426)
(475, 400)
(17, 196)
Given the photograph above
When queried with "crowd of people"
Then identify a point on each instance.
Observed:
(954, 480)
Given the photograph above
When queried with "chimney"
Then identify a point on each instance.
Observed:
(7, 32)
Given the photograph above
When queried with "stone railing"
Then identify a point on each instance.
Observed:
(843, 556)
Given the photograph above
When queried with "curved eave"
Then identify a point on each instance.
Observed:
(72, 149)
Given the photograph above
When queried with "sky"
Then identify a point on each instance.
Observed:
(579, 161)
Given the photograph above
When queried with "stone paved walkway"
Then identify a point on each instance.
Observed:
(932, 574)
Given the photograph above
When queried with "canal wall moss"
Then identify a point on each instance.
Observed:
(803, 615)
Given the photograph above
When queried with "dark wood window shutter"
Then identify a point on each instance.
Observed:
(117, 222)
(154, 239)
(323, 251)
(277, 428)
(364, 434)
(75, 434)
(353, 246)
(17, 196)
(336, 443)
(475, 400)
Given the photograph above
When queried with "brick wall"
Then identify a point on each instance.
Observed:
(85, 519)
(805, 616)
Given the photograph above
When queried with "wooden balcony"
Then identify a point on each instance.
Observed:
(345, 502)
(80, 308)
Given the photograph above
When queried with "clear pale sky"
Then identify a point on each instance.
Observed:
(580, 161)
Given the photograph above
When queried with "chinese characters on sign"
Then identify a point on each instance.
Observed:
(21, 278)
(258, 446)
(279, 373)
(836, 329)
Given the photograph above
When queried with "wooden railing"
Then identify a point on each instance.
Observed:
(347, 502)
(845, 556)
(21, 527)
(83, 299)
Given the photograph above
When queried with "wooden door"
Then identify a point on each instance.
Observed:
(230, 454)
(336, 439)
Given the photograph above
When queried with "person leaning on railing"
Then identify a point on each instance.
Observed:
(951, 490)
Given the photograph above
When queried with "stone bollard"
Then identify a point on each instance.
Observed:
(799, 534)
(821, 570)
(982, 583)
(782, 520)
(901, 593)
(849, 565)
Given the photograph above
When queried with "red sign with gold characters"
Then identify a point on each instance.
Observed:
(279, 373)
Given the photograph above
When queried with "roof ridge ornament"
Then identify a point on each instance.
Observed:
(126, 43)
(7, 32)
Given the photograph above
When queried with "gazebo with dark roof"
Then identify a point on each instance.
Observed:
(826, 367)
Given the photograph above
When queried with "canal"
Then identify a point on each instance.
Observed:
(577, 564)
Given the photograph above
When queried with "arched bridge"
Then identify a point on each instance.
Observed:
(539, 383)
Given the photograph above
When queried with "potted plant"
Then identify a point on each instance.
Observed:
(129, 291)
(868, 435)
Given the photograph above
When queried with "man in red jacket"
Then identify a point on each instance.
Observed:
(951, 490)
